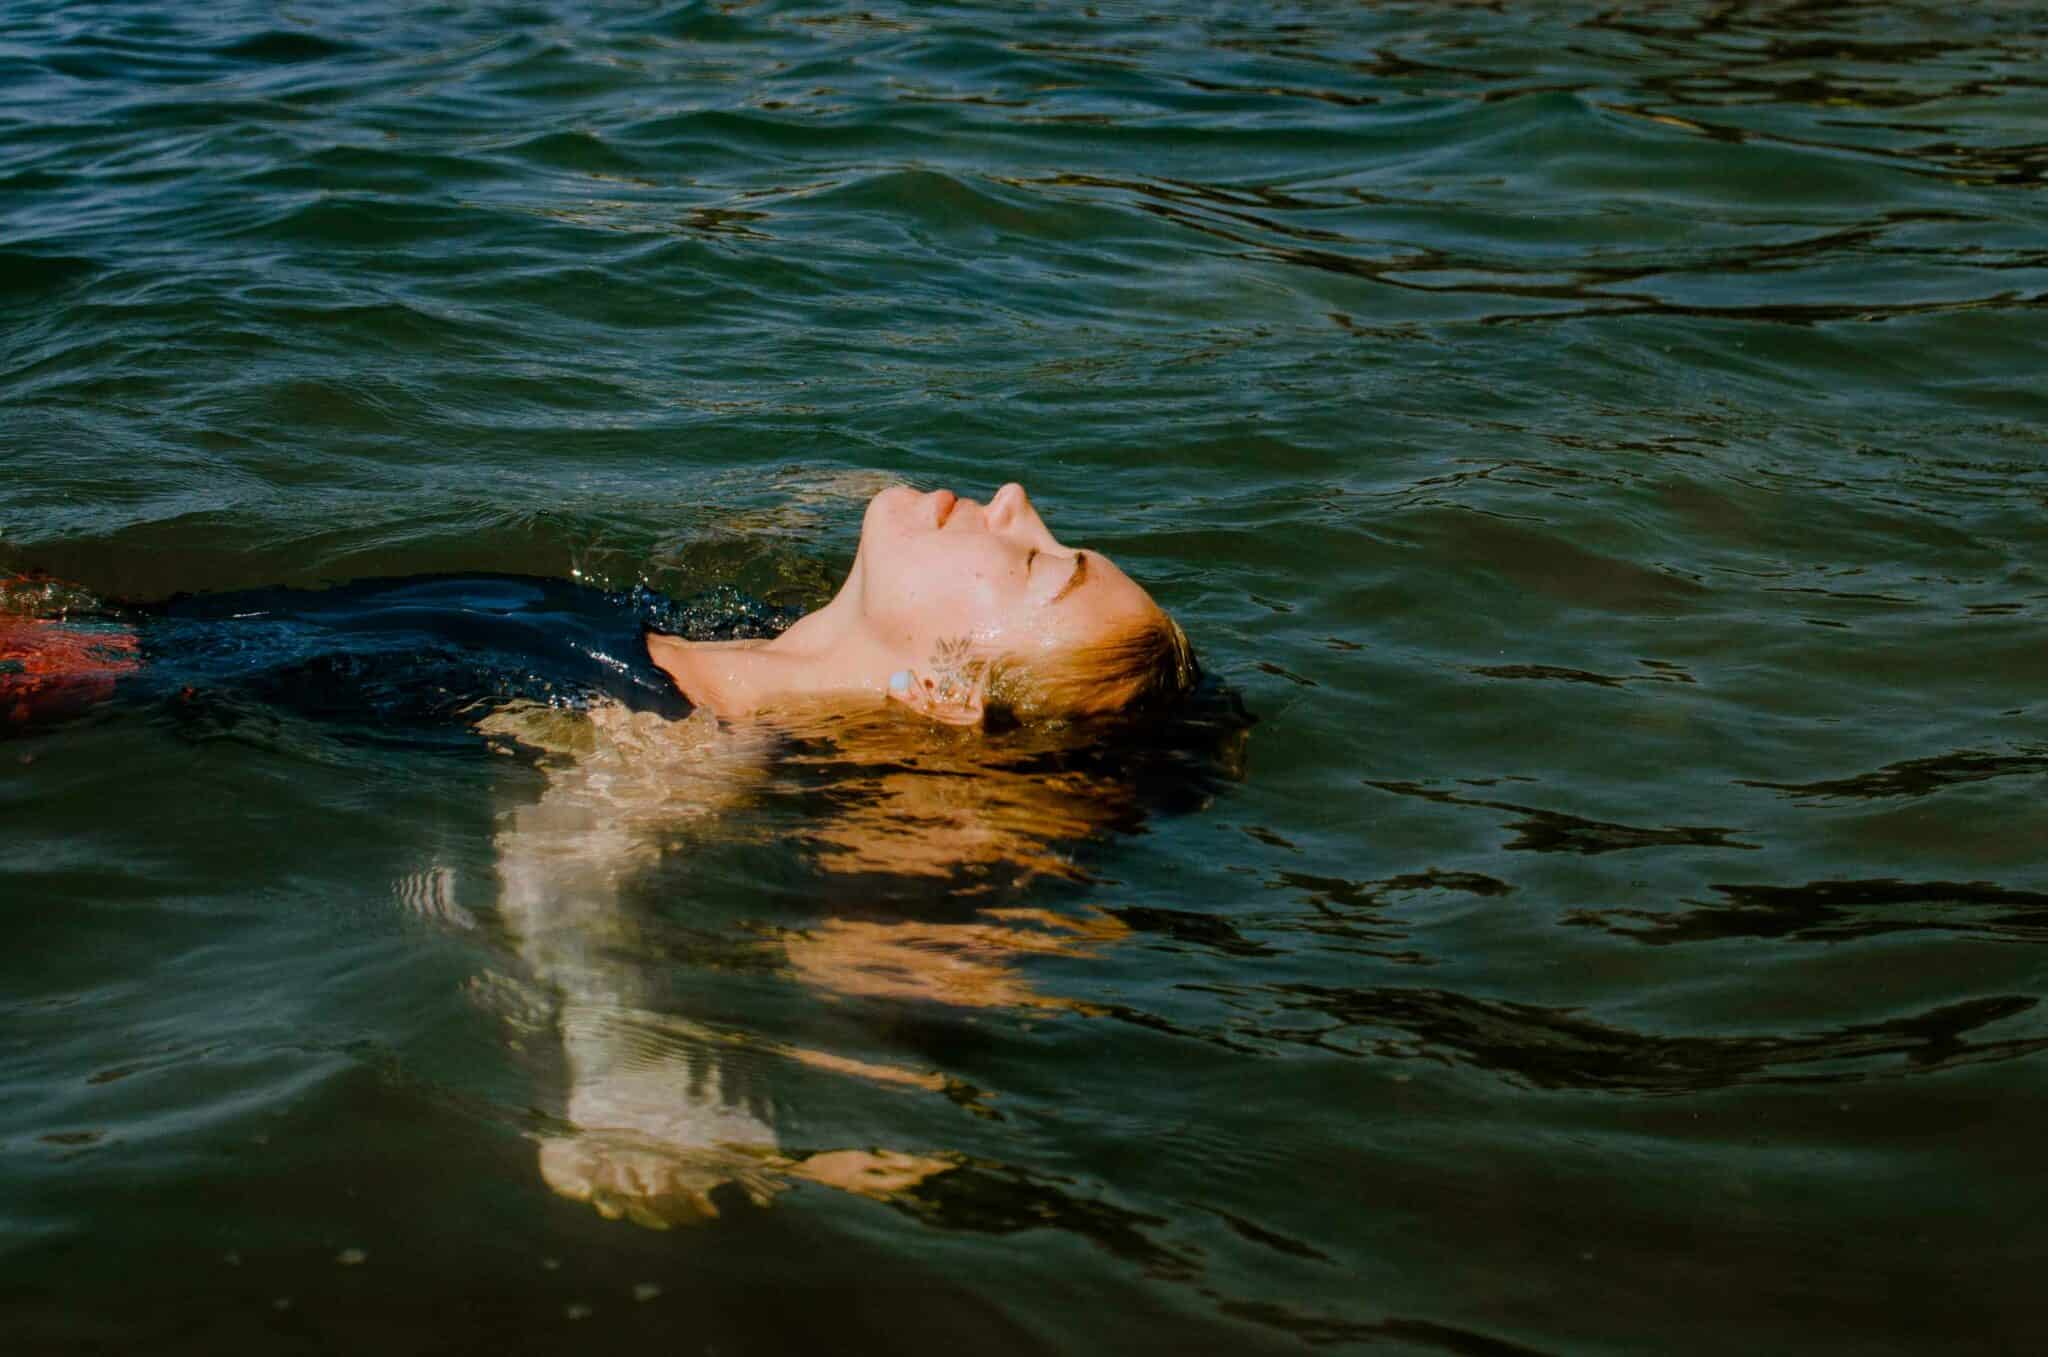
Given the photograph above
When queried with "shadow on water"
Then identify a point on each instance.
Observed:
(1836, 911)
(1355, 917)
(1846, 57)
(1915, 777)
(1552, 1048)
(1549, 831)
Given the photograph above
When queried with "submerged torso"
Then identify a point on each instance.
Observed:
(404, 655)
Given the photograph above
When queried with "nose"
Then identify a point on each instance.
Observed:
(1011, 508)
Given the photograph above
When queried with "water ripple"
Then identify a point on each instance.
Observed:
(1602, 446)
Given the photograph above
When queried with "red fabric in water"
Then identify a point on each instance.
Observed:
(51, 669)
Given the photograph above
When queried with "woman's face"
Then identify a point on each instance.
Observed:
(935, 570)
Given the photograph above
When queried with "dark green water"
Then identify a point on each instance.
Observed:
(1604, 449)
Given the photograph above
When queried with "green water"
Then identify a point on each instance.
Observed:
(1603, 448)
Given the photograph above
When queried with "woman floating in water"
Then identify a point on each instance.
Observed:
(958, 611)
(669, 734)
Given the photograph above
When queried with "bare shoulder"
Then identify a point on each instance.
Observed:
(729, 677)
(690, 664)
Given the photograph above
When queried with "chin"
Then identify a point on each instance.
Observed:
(897, 511)
(891, 500)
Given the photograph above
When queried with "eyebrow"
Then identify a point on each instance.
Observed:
(1074, 580)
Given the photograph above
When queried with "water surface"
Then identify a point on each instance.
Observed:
(1602, 448)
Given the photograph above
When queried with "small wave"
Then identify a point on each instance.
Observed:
(579, 152)
(958, 205)
(283, 45)
(26, 273)
(370, 223)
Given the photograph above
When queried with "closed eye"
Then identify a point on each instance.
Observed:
(1074, 580)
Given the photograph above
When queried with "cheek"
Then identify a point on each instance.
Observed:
(964, 604)
(941, 594)
(956, 594)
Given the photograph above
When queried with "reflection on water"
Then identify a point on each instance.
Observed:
(663, 1111)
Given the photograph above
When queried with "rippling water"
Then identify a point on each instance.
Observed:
(1602, 449)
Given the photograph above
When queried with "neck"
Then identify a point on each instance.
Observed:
(824, 656)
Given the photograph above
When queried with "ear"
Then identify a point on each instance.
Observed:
(951, 705)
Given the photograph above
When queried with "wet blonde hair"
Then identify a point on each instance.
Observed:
(1148, 664)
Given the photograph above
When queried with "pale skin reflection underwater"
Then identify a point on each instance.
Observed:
(954, 610)
(663, 1109)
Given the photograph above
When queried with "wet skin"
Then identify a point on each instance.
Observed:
(940, 586)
